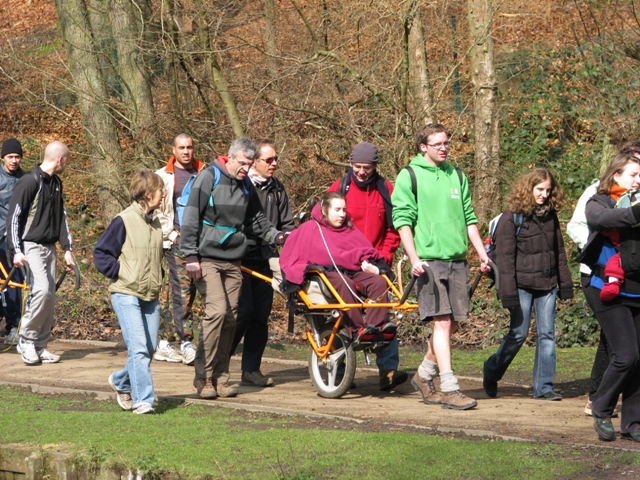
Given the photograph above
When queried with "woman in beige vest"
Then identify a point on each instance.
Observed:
(129, 252)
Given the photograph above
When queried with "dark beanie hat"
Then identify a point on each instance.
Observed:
(364, 152)
(11, 146)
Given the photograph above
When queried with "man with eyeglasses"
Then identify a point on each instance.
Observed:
(256, 297)
(368, 197)
(223, 209)
(176, 174)
(435, 219)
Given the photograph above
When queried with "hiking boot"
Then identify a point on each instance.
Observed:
(12, 337)
(188, 353)
(207, 390)
(631, 435)
(391, 379)
(144, 409)
(46, 356)
(27, 349)
(604, 428)
(256, 379)
(167, 353)
(457, 400)
(226, 391)
(427, 389)
(124, 399)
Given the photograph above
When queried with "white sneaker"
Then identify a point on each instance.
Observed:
(188, 353)
(12, 337)
(167, 353)
(46, 356)
(124, 399)
(27, 349)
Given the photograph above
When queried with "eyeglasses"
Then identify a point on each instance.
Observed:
(245, 164)
(269, 160)
(439, 146)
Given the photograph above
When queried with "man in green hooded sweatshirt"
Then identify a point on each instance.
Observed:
(435, 219)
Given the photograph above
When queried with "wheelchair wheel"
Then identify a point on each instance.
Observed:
(333, 379)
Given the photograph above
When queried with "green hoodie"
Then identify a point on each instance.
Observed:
(439, 219)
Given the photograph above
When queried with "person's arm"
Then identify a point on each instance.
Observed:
(565, 282)
(577, 228)
(476, 241)
(505, 259)
(107, 251)
(286, 215)
(23, 195)
(600, 217)
(406, 235)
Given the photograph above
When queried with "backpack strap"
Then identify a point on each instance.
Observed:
(344, 184)
(414, 181)
(518, 221)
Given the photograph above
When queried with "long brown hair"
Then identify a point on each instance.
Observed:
(325, 205)
(521, 195)
(616, 166)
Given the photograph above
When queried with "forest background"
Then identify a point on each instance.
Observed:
(552, 83)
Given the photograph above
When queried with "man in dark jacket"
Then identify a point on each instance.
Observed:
(256, 297)
(368, 197)
(9, 174)
(223, 209)
(36, 221)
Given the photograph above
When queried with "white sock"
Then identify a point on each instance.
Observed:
(448, 382)
(428, 369)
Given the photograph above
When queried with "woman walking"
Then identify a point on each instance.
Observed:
(533, 269)
(619, 318)
(129, 252)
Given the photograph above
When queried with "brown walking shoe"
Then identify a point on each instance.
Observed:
(427, 389)
(207, 391)
(225, 390)
(457, 400)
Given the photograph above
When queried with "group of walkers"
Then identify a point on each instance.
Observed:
(208, 221)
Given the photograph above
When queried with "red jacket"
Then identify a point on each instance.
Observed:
(366, 209)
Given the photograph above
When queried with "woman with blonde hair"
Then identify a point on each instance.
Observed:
(129, 252)
(533, 269)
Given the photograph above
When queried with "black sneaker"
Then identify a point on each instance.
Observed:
(550, 395)
(490, 386)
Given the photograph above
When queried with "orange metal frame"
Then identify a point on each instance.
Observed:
(10, 284)
(323, 351)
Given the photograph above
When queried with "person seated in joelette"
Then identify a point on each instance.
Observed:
(352, 264)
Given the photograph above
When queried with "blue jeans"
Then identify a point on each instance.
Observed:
(388, 358)
(12, 296)
(139, 321)
(544, 367)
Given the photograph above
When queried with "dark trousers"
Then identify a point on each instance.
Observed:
(254, 308)
(183, 293)
(621, 325)
(372, 286)
(601, 360)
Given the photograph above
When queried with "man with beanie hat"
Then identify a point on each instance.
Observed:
(9, 174)
(368, 197)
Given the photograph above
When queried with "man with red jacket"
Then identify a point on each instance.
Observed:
(176, 174)
(368, 197)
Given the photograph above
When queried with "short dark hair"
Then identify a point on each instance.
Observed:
(143, 183)
(424, 132)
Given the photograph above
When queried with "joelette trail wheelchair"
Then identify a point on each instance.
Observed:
(332, 357)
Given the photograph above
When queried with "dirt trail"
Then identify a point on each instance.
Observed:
(514, 414)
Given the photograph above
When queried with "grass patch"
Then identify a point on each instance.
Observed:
(208, 442)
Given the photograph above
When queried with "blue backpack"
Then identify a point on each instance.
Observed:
(184, 197)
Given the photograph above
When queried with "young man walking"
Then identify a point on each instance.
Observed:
(434, 217)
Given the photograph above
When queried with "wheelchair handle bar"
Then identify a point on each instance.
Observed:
(76, 271)
(431, 285)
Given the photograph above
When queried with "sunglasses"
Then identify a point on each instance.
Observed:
(269, 160)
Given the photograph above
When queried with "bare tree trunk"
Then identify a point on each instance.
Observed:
(105, 43)
(487, 135)
(219, 80)
(100, 131)
(126, 22)
(422, 107)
